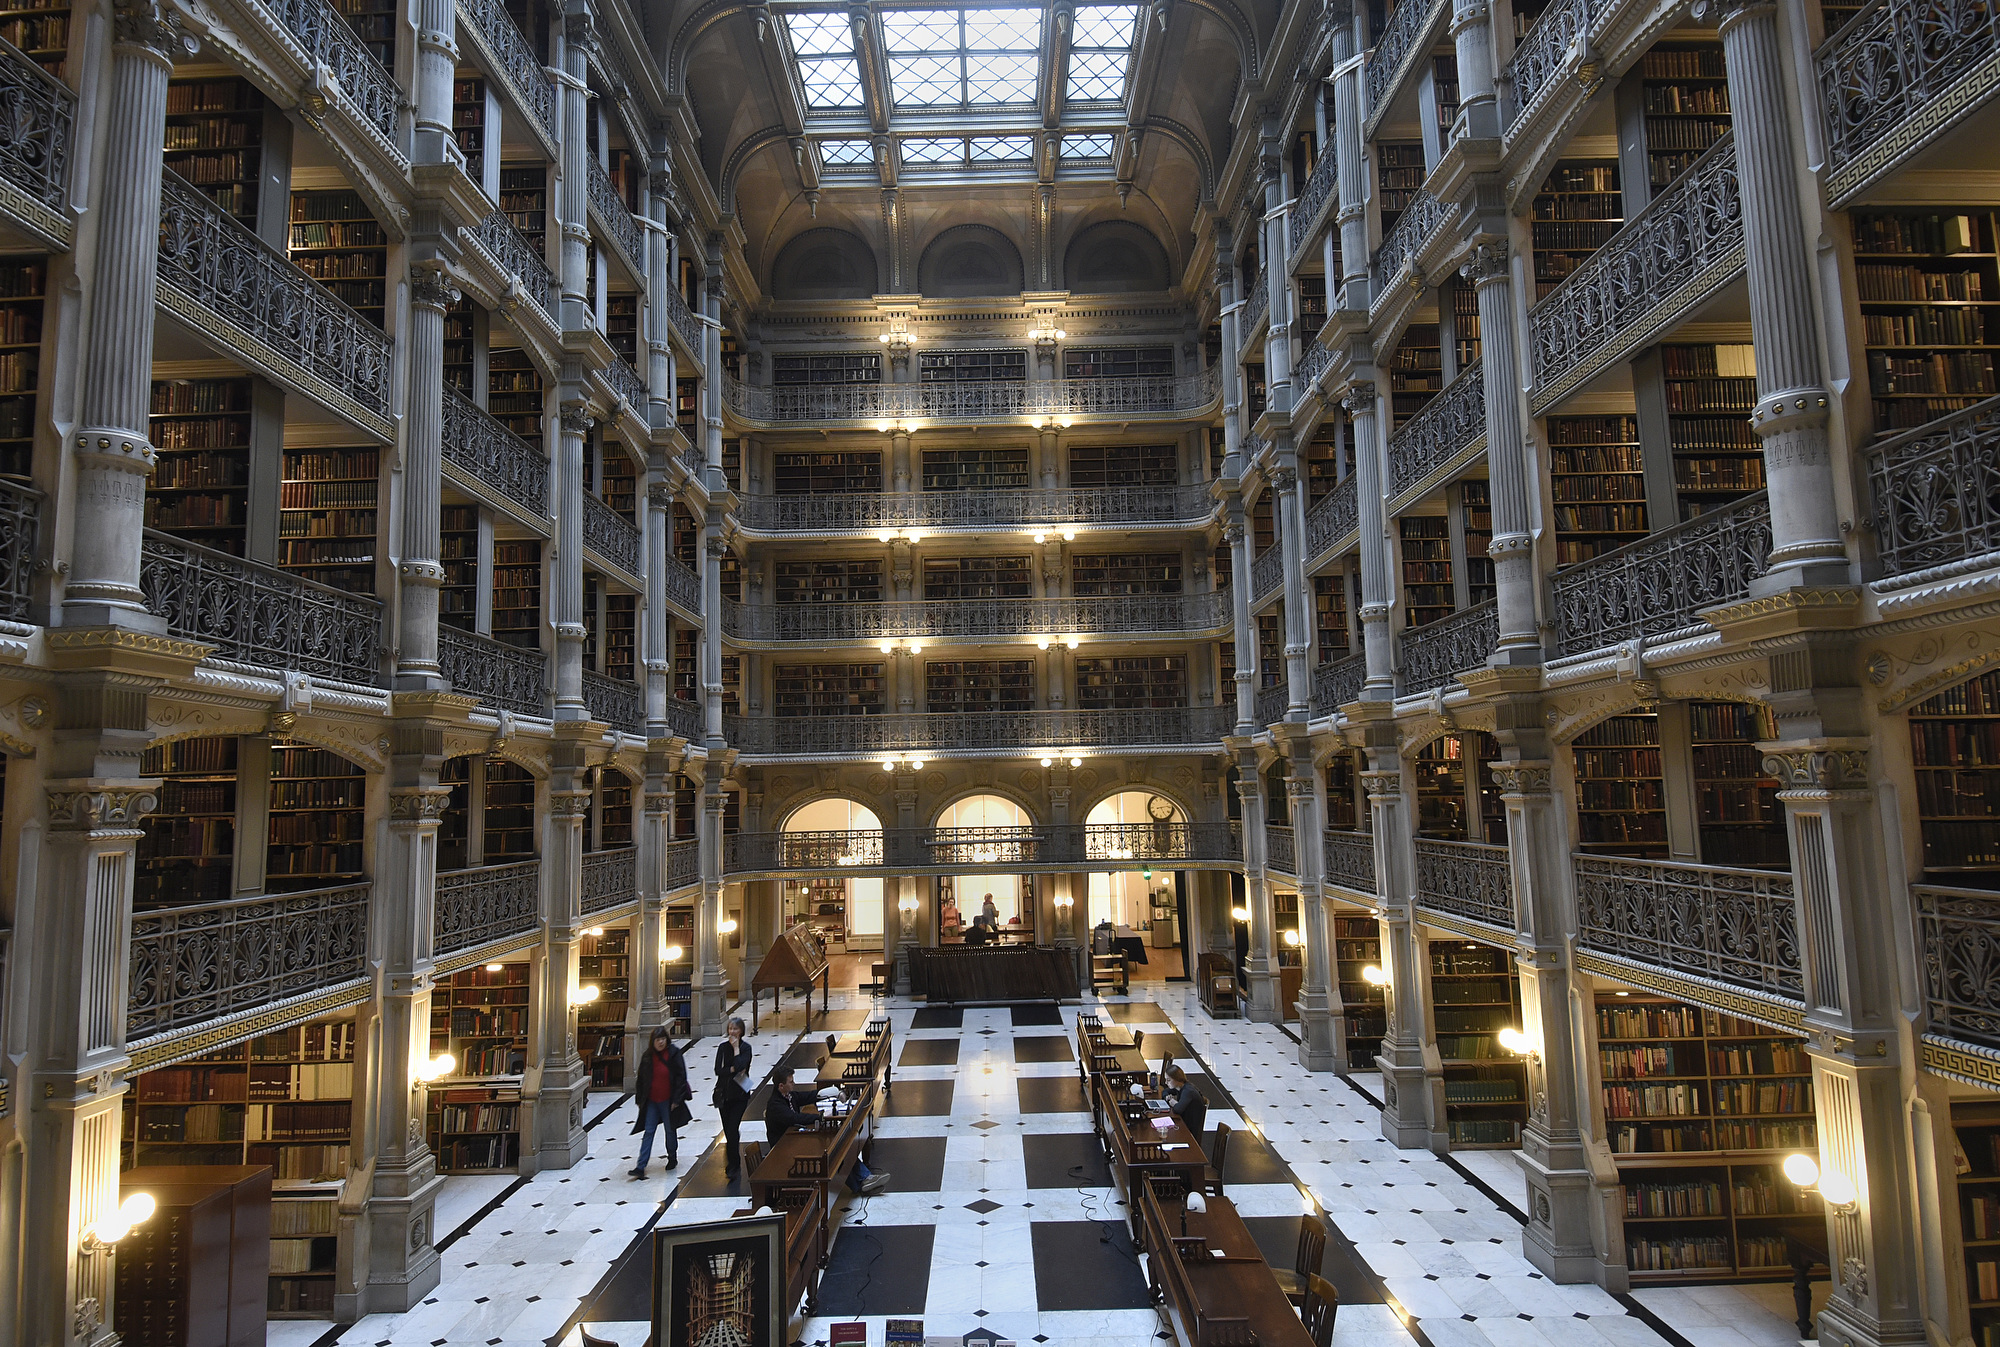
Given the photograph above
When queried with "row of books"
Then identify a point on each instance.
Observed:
(1937, 235)
(230, 433)
(184, 471)
(1938, 372)
(1482, 1092)
(1898, 282)
(1944, 743)
(326, 495)
(277, 1082)
(341, 792)
(1923, 327)
(322, 1121)
(341, 266)
(485, 1117)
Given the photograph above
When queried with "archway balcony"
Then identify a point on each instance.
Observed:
(1027, 849)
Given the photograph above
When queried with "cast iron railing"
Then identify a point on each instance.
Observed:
(490, 902)
(1281, 851)
(625, 381)
(1733, 925)
(37, 122)
(20, 533)
(1404, 243)
(1144, 843)
(1337, 683)
(1936, 491)
(1013, 618)
(505, 677)
(683, 586)
(1448, 423)
(1544, 53)
(1333, 518)
(1256, 303)
(1433, 654)
(1072, 844)
(520, 258)
(1350, 859)
(1273, 701)
(610, 534)
(1897, 74)
(509, 48)
(684, 719)
(616, 703)
(974, 402)
(481, 445)
(1267, 572)
(1313, 198)
(1660, 583)
(683, 319)
(616, 217)
(609, 878)
(329, 40)
(683, 863)
(1407, 22)
(1960, 930)
(1311, 365)
(1013, 508)
(977, 730)
(259, 614)
(1466, 879)
(194, 965)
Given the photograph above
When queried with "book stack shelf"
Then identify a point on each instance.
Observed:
(1426, 553)
(188, 845)
(979, 685)
(821, 902)
(1736, 804)
(1343, 808)
(971, 469)
(1128, 682)
(946, 367)
(829, 690)
(1254, 387)
(1125, 574)
(621, 635)
(687, 663)
(1105, 465)
(514, 393)
(1438, 769)
(1312, 306)
(524, 196)
(338, 243)
(1357, 944)
(1577, 211)
(1976, 1166)
(458, 598)
(1416, 372)
(1464, 326)
(621, 327)
(1399, 169)
(1119, 362)
(978, 578)
(687, 409)
(468, 124)
(475, 1129)
(1928, 292)
(1474, 995)
(374, 22)
(1444, 82)
(191, 1114)
(1492, 809)
(509, 816)
(857, 580)
(1476, 503)
(41, 31)
(677, 959)
(23, 287)
(1598, 482)
(300, 1119)
(614, 807)
(1700, 1109)
(1621, 795)
(1329, 458)
(200, 486)
(517, 592)
(1710, 393)
(1270, 649)
(604, 962)
(459, 337)
(621, 483)
(818, 474)
(1330, 609)
(215, 134)
(480, 1016)
(317, 800)
(454, 838)
(1955, 746)
(732, 464)
(326, 519)
(790, 371)
(1832, 17)
(1687, 106)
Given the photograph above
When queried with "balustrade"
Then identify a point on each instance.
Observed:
(1255, 305)
(614, 702)
(1272, 703)
(683, 862)
(1733, 925)
(1012, 618)
(1544, 54)
(520, 259)
(683, 586)
(984, 846)
(1433, 654)
(974, 403)
(1896, 76)
(609, 878)
(481, 445)
(610, 535)
(1449, 424)
(1660, 583)
(1337, 683)
(1280, 849)
(1334, 518)
(198, 964)
(1936, 491)
(1267, 574)
(1311, 365)
(260, 615)
(684, 719)
(504, 677)
(20, 532)
(683, 320)
(37, 125)
(491, 902)
(1350, 859)
(1189, 505)
(977, 731)
(1405, 243)
(625, 381)
(1408, 22)
(1314, 198)
(509, 51)
(330, 41)
(616, 218)
(1960, 930)
(1044, 846)
(1466, 879)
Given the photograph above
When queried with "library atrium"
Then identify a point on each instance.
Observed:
(978, 539)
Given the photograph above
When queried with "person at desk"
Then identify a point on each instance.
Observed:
(1186, 1102)
(784, 1112)
(977, 934)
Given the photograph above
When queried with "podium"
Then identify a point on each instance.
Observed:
(795, 960)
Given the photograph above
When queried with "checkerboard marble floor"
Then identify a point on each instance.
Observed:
(1000, 1211)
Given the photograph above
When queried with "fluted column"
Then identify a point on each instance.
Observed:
(711, 402)
(558, 1139)
(656, 824)
(1278, 336)
(1478, 101)
(713, 550)
(1350, 170)
(1406, 1059)
(566, 576)
(709, 979)
(1490, 270)
(1792, 398)
(1322, 1044)
(1237, 535)
(1232, 352)
(1299, 606)
(659, 282)
(659, 650)
(574, 165)
(437, 60)
(1378, 641)
(420, 574)
(1259, 968)
(113, 452)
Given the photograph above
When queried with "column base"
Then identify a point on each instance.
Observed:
(560, 1141)
(1842, 1325)
(84, 613)
(708, 1008)
(1263, 984)
(1568, 1234)
(1406, 1108)
(1322, 1035)
(398, 1241)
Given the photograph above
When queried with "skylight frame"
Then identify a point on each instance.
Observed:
(944, 59)
(1100, 55)
(986, 152)
(826, 64)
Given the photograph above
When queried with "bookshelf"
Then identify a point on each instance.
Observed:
(855, 580)
(1700, 1109)
(1832, 18)
(1621, 795)
(1125, 574)
(454, 839)
(1444, 84)
(1416, 372)
(316, 831)
(1131, 681)
(1254, 388)
(975, 469)
(621, 327)
(524, 196)
(480, 1016)
(214, 139)
(1577, 211)
(326, 518)
(978, 578)
(1343, 810)
(687, 664)
(200, 486)
(1474, 995)
(687, 412)
(476, 1129)
(945, 367)
(1976, 1170)
(979, 685)
(829, 690)
(1106, 465)
(468, 124)
(816, 474)
(514, 392)
(620, 485)
(1476, 517)
(1399, 173)
(23, 287)
(604, 962)
(732, 462)
(1270, 649)
(1928, 290)
(337, 242)
(1955, 748)
(792, 371)
(614, 809)
(1357, 944)
(1598, 483)
(41, 31)
(374, 22)
(1426, 556)
(1329, 458)
(1710, 393)
(458, 549)
(1119, 362)
(460, 338)
(1330, 609)
(822, 902)
(188, 845)
(517, 592)
(677, 960)
(1686, 96)
(509, 813)
(1438, 769)
(1737, 809)
(1492, 828)
(621, 635)
(1464, 325)
(1312, 306)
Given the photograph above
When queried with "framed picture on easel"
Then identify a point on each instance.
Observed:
(722, 1282)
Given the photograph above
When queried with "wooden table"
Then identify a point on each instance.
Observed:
(1108, 1054)
(1229, 1301)
(806, 1243)
(820, 1157)
(1140, 1151)
(859, 1058)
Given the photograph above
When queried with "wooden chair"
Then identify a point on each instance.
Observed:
(1312, 1247)
(591, 1340)
(1211, 1179)
(878, 980)
(1217, 983)
(1317, 1308)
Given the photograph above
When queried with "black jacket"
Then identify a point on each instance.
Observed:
(728, 1066)
(1191, 1107)
(781, 1116)
(642, 1085)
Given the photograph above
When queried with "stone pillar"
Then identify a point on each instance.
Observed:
(420, 574)
(711, 375)
(113, 452)
(1232, 354)
(1322, 1045)
(655, 834)
(1260, 969)
(566, 576)
(437, 59)
(1299, 605)
(1278, 336)
(1478, 101)
(1792, 398)
(1350, 169)
(904, 932)
(658, 622)
(1050, 437)
(1513, 545)
(1237, 535)
(713, 550)
(710, 982)
(1378, 641)
(1406, 1060)
(903, 476)
(559, 1081)
(659, 281)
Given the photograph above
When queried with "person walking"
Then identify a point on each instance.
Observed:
(662, 1094)
(732, 1093)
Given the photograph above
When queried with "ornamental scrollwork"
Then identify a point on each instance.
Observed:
(472, 907)
(1818, 769)
(1520, 778)
(110, 807)
(1386, 784)
(1448, 424)
(1661, 583)
(1730, 925)
(419, 806)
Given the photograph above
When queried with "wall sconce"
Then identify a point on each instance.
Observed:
(594, 931)
(1067, 642)
(907, 903)
(913, 763)
(1292, 939)
(674, 953)
(1240, 913)
(134, 1210)
(908, 647)
(1835, 1188)
(1065, 901)
(911, 536)
(1051, 334)
(1518, 1043)
(583, 996)
(493, 968)
(1374, 976)
(727, 926)
(1067, 535)
(898, 342)
(437, 1068)
(1052, 759)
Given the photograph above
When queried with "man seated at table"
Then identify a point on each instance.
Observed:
(1186, 1102)
(977, 934)
(785, 1111)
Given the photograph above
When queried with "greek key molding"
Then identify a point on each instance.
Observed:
(1789, 1016)
(1960, 1061)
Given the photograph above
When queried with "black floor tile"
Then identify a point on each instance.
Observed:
(705, 1179)
(1078, 1268)
(1025, 1016)
(1278, 1237)
(1160, 1043)
(918, 1099)
(1051, 1094)
(915, 1164)
(1065, 1160)
(939, 1017)
(1137, 1012)
(1043, 1048)
(877, 1269)
(1249, 1159)
(806, 1056)
(929, 1052)
(842, 1020)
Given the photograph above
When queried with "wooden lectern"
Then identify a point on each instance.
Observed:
(796, 960)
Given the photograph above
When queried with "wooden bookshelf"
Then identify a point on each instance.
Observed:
(1399, 173)
(200, 486)
(337, 242)
(454, 838)
(854, 580)
(1474, 995)
(1976, 1174)
(214, 139)
(1438, 770)
(1464, 325)
(1344, 810)
(1330, 612)
(524, 196)
(829, 473)
(1328, 458)
(732, 464)
(621, 326)
(458, 549)
(1107, 465)
(480, 1016)
(1119, 362)
(1127, 682)
(1255, 390)
(978, 577)
(619, 486)
(468, 123)
(1686, 94)
(1444, 83)
(1476, 516)
(621, 635)
(604, 962)
(316, 830)
(1270, 648)
(1427, 581)
(41, 31)
(1125, 574)
(1928, 293)
(509, 813)
(1955, 749)
(1492, 828)
(187, 846)
(792, 371)
(326, 519)
(514, 393)
(460, 338)
(1711, 391)
(677, 970)
(517, 592)
(1312, 306)
(374, 22)
(946, 367)
(1621, 794)
(687, 412)
(614, 810)
(1737, 809)
(979, 685)
(687, 664)
(1416, 372)
(1577, 211)
(821, 903)
(1597, 479)
(829, 690)
(1700, 1109)
(976, 469)
(1357, 944)
(23, 288)
(476, 1129)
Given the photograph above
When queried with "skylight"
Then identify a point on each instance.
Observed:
(950, 58)
(824, 48)
(846, 153)
(1100, 49)
(961, 151)
(1086, 147)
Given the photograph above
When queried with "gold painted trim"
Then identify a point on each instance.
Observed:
(177, 1045)
(1465, 926)
(1966, 1062)
(1787, 1015)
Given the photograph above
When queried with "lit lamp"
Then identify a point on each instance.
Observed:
(1374, 976)
(1518, 1043)
(674, 953)
(1835, 1188)
(1292, 939)
(437, 1068)
(911, 763)
(727, 926)
(1240, 913)
(583, 996)
(134, 1210)
(594, 931)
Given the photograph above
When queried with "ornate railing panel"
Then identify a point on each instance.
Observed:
(1314, 197)
(830, 513)
(974, 402)
(1272, 702)
(480, 445)
(224, 273)
(984, 846)
(1333, 518)
(1407, 23)
(488, 903)
(683, 585)
(1660, 583)
(803, 850)
(1256, 303)
(625, 381)
(610, 534)
(509, 48)
(1736, 926)
(1448, 424)
(1658, 268)
(1013, 618)
(1425, 216)
(619, 704)
(20, 533)
(1337, 683)
(1543, 55)
(616, 217)
(1896, 76)
(1097, 845)
(973, 731)
(610, 878)
(1350, 859)
(1281, 851)
(502, 676)
(683, 319)
(261, 615)
(37, 122)
(1151, 842)
(1936, 491)
(1267, 573)
(1960, 931)
(511, 249)
(683, 863)
(684, 719)
(1312, 364)
(192, 965)
(1432, 655)
(1466, 879)
(330, 40)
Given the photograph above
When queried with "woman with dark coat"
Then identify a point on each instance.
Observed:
(732, 1092)
(661, 1086)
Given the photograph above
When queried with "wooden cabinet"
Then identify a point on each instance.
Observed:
(194, 1275)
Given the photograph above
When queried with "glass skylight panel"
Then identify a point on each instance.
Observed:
(929, 151)
(824, 48)
(1104, 26)
(845, 153)
(1100, 49)
(926, 81)
(1000, 149)
(1086, 147)
(963, 58)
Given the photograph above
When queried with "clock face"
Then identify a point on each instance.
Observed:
(1160, 808)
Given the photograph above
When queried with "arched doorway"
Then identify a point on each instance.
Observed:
(981, 827)
(1145, 905)
(845, 911)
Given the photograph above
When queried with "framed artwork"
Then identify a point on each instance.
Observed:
(721, 1284)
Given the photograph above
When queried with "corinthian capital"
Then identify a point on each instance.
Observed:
(1359, 397)
(153, 26)
(1487, 261)
(430, 285)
